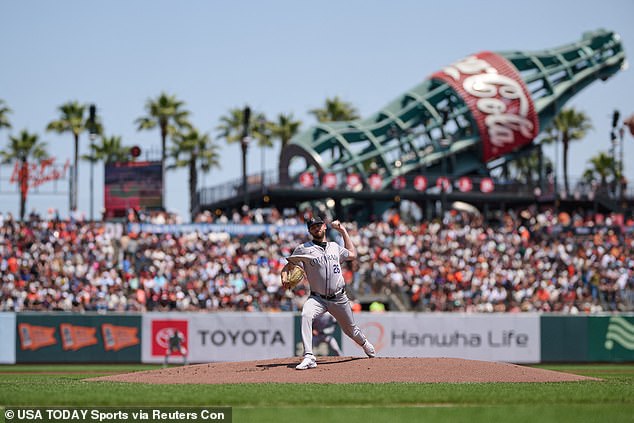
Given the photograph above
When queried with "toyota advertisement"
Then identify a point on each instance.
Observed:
(218, 336)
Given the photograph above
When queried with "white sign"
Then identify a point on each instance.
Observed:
(7, 334)
(490, 337)
(222, 336)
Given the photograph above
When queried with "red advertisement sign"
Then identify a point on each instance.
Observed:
(420, 183)
(498, 99)
(306, 179)
(465, 184)
(375, 181)
(163, 330)
(487, 185)
(330, 180)
(353, 181)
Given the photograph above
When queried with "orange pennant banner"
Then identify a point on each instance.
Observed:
(116, 338)
(35, 337)
(77, 337)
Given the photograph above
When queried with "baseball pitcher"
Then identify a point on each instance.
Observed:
(321, 262)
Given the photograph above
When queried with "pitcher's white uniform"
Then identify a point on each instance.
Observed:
(322, 263)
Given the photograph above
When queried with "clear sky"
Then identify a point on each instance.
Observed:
(276, 56)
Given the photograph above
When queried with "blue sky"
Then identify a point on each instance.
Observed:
(276, 56)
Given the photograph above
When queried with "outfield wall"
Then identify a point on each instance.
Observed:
(587, 338)
(77, 338)
(227, 336)
(7, 335)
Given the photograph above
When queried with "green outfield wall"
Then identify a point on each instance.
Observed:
(77, 338)
(604, 338)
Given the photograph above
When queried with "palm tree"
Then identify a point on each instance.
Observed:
(569, 125)
(72, 120)
(526, 169)
(168, 113)
(22, 148)
(233, 129)
(335, 110)
(602, 166)
(199, 153)
(4, 111)
(284, 129)
(109, 151)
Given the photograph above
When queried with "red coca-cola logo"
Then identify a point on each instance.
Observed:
(375, 181)
(487, 185)
(330, 180)
(163, 330)
(306, 179)
(420, 183)
(465, 184)
(353, 181)
(498, 99)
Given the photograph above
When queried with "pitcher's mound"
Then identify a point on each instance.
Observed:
(348, 370)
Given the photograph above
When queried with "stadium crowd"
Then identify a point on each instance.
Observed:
(519, 262)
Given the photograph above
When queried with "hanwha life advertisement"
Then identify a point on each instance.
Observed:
(217, 336)
(495, 337)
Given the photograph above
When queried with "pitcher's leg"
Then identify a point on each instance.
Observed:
(343, 313)
(312, 308)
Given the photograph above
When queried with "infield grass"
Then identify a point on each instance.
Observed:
(610, 400)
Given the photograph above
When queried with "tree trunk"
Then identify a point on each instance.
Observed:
(24, 187)
(566, 143)
(75, 174)
(193, 184)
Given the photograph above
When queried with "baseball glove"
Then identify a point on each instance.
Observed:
(292, 274)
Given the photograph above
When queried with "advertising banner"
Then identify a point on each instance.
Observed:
(72, 338)
(611, 338)
(224, 336)
(492, 337)
(498, 99)
(7, 335)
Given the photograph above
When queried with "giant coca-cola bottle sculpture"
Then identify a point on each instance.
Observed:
(479, 109)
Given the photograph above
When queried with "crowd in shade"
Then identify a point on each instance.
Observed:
(525, 261)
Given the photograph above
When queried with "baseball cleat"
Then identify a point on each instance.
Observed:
(369, 349)
(309, 362)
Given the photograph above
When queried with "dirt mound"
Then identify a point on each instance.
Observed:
(347, 370)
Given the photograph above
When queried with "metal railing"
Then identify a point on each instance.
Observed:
(579, 188)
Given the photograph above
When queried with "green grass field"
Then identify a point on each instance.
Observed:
(611, 400)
